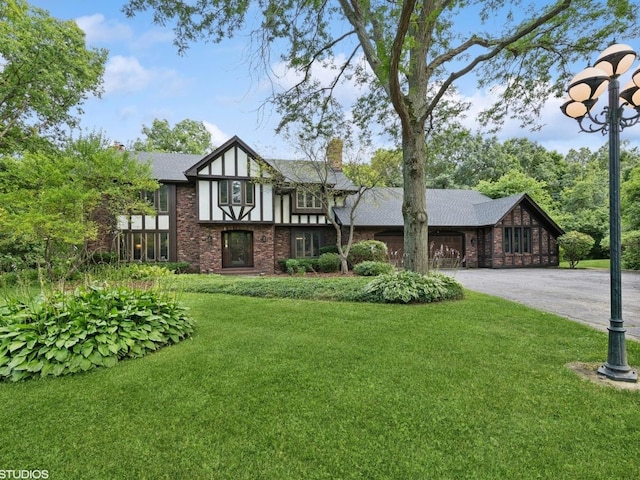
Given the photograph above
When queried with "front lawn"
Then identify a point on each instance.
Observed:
(298, 389)
(598, 263)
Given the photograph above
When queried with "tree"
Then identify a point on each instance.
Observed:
(584, 206)
(630, 200)
(187, 136)
(516, 182)
(539, 163)
(409, 55)
(56, 203)
(575, 246)
(385, 169)
(316, 176)
(45, 71)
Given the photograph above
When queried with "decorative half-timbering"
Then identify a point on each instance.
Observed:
(234, 211)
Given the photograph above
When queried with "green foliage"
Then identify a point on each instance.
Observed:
(52, 203)
(384, 170)
(631, 250)
(187, 136)
(371, 269)
(329, 262)
(412, 287)
(92, 327)
(328, 249)
(299, 265)
(575, 246)
(585, 203)
(136, 271)
(630, 199)
(515, 182)
(368, 250)
(47, 70)
(339, 289)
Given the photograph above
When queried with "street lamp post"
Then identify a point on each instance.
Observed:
(583, 92)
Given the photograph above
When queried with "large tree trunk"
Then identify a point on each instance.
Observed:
(414, 205)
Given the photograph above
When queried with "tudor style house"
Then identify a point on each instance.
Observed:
(232, 211)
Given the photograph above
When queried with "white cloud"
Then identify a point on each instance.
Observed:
(99, 30)
(152, 38)
(218, 137)
(125, 75)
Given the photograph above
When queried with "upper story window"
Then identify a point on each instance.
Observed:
(159, 198)
(307, 200)
(235, 192)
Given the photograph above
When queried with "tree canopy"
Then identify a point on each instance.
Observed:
(46, 71)
(53, 204)
(187, 136)
(408, 57)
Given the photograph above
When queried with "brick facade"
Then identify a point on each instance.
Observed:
(186, 236)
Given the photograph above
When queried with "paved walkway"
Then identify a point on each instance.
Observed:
(580, 295)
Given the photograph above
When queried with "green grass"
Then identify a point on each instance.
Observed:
(599, 263)
(294, 389)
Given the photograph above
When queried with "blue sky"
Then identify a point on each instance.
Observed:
(145, 79)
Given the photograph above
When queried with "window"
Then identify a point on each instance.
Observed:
(163, 199)
(517, 240)
(235, 192)
(147, 247)
(307, 244)
(307, 200)
(158, 198)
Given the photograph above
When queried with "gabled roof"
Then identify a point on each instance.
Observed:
(178, 167)
(382, 207)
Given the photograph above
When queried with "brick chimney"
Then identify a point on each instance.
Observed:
(334, 154)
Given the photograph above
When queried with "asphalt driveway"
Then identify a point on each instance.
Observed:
(580, 295)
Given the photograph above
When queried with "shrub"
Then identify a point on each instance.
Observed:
(411, 287)
(368, 250)
(328, 249)
(91, 327)
(371, 269)
(575, 246)
(282, 264)
(300, 265)
(631, 250)
(329, 262)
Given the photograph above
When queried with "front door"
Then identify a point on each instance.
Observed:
(237, 249)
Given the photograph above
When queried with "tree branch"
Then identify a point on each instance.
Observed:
(497, 49)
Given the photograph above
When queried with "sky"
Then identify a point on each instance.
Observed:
(146, 78)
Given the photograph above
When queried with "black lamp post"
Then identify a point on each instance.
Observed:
(583, 91)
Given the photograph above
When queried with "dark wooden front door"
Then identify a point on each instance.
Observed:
(237, 249)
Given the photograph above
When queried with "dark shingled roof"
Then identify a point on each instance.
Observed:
(307, 171)
(171, 167)
(168, 167)
(382, 207)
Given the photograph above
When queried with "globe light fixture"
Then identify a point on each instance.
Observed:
(584, 90)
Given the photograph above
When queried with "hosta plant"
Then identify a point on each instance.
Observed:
(95, 326)
(411, 287)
